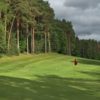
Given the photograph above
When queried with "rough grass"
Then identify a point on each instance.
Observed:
(48, 77)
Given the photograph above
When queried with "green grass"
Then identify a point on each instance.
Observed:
(49, 77)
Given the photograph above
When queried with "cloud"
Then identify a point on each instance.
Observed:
(84, 14)
(90, 36)
(83, 4)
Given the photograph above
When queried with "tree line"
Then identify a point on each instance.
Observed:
(30, 26)
(87, 49)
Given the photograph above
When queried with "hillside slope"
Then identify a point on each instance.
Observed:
(49, 77)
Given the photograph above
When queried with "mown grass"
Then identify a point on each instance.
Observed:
(49, 77)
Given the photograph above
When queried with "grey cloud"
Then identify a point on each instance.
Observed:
(83, 4)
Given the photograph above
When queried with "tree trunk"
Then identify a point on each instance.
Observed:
(9, 34)
(5, 28)
(0, 14)
(27, 39)
(45, 41)
(27, 45)
(33, 42)
(49, 43)
(18, 48)
(69, 44)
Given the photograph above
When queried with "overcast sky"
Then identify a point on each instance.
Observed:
(84, 14)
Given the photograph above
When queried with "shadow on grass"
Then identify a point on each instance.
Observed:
(49, 87)
(94, 74)
(89, 62)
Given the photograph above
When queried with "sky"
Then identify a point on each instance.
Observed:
(84, 14)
